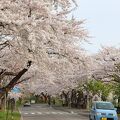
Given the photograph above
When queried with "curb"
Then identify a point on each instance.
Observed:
(21, 118)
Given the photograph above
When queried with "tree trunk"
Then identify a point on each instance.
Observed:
(13, 82)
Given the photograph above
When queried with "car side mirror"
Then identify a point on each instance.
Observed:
(115, 109)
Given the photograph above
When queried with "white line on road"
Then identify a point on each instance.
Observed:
(66, 113)
(26, 113)
(32, 113)
(61, 113)
(47, 112)
(39, 113)
(54, 113)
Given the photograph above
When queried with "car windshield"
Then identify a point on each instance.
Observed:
(104, 106)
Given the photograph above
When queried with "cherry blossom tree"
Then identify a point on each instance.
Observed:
(40, 31)
(105, 63)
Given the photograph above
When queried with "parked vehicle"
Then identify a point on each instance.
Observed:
(103, 111)
(27, 104)
(118, 110)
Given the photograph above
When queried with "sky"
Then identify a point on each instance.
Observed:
(102, 21)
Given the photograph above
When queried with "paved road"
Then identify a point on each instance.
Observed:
(44, 112)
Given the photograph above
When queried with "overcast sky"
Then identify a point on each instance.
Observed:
(102, 21)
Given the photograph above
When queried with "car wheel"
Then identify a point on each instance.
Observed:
(90, 117)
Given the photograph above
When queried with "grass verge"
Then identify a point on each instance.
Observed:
(9, 116)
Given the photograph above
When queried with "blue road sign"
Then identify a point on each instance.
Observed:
(16, 89)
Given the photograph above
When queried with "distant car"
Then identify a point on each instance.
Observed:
(26, 104)
(118, 110)
(103, 111)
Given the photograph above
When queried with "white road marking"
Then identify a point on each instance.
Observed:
(32, 113)
(39, 113)
(60, 113)
(54, 113)
(67, 113)
(47, 112)
(72, 112)
(26, 113)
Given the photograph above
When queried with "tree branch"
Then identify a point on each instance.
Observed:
(23, 80)
(13, 82)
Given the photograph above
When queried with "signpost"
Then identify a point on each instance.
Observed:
(16, 90)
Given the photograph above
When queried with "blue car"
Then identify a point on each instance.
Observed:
(103, 111)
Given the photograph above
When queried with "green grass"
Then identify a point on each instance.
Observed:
(58, 102)
(16, 115)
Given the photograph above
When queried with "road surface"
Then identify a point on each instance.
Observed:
(44, 112)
